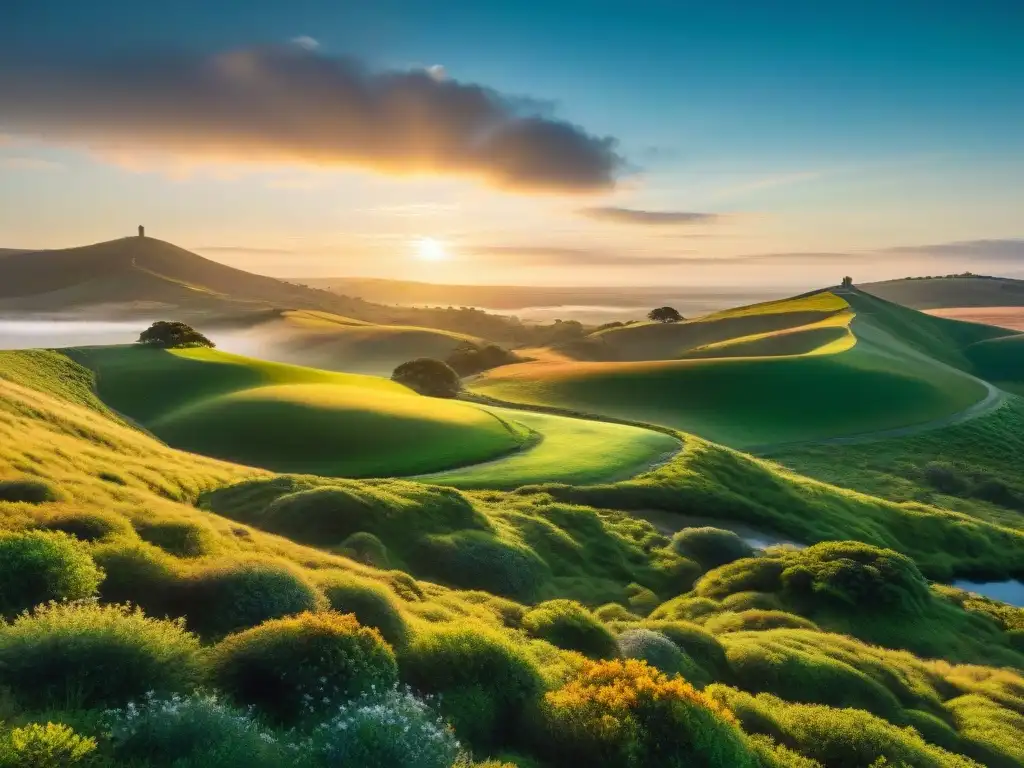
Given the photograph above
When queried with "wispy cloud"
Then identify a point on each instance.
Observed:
(648, 218)
(29, 164)
(769, 182)
(291, 104)
(985, 250)
(557, 256)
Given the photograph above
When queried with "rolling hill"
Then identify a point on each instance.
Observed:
(940, 292)
(820, 366)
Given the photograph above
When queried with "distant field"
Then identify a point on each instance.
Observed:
(289, 418)
(576, 451)
(1005, 317)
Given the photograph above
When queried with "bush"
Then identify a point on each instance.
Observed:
(195, 730)
(182, 538)
(756, 620)
(384, 729)
(744, 601)
(711, 547)
(468, 359)
(89, 655)
(303, 664)
(87, 525)
(686, 609)
(479, 560)
(173, 335)
(373, 604)
(137, 573)
(697, 643)
(228, 598)
(944, 478)
(570, 626)
(39, 566)
(45, 746)
(366, 548)
(487, 685)
(615, 612)
(625, 714)
(29, 491)
(658, 651)
(428, 376)
(664, 315)
(850, 574)
(751, 574)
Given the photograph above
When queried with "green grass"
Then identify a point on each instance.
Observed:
(567, 450)
(293, 419)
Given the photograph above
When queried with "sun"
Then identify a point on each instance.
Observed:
(429, 249)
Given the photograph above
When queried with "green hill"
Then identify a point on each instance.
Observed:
(291, 418)
(940, 292)
(819, 366)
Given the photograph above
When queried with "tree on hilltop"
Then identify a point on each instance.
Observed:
(173, 335)
(434, 378)
(664, 315)
(847, 282)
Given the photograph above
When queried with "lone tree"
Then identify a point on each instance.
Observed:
(468, 358)
(847, 282)
(173, 335)
(434, 378)
(664, 315)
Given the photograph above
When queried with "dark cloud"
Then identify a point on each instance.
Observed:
(982, 250)
(295, 104)
(648, 218)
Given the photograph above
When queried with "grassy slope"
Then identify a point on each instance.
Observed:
(569, 451)
(933, 293)
(291, 418)
(899, 373)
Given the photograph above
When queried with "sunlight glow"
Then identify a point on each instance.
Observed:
(429, 249)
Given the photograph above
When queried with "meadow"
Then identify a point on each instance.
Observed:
(297, 619)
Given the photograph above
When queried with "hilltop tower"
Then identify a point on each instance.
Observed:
(142, 231)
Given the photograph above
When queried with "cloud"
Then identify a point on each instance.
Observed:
(29, 164)
(770, 182)
(982, 250)
(555, 256)
(648, 218)
(306, 42)
(294, 105)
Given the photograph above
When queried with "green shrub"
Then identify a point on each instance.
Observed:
(372, 603)
(39, 566)
(568, 625)
(641, 599)
(137, 573)
(479, 560)
(302, 664)
(658, 651)
(182, 538)
(366, 548)
(384, 729)
(990, 732)
(944, 477)
(711, 547)
(90, 655)
(430, 377)
(615, 612)
(625, 714)
(854, 575)
(743, 601)
(29, 491)
(228, 598)
(772, 755)
(45, 746)
(755, 620)
(195, 730)
(696, 642)
(487, 685)
(87, 525)
(752, 574)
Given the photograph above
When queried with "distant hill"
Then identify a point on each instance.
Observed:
(941, 292)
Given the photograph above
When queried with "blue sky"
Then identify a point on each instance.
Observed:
(818, 135)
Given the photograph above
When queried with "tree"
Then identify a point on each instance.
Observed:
(664, 315)
(847, 282)
(434, 378)
(468, 359)
(173, 335)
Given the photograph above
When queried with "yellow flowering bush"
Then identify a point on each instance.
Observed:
(625, 713)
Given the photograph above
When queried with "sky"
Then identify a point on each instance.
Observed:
(598, 142)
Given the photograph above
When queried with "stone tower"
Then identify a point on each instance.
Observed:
(142, 231)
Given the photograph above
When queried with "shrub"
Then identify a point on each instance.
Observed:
(45, 746)
(686, 609)
(570, 626)
(486, 684)
(479, 560)
(850, 574)
(182, 538)
(137, 573)
(384, 729)
(428, 376)
(238, 596)
(302, 664)
(711, 547)
(39, 566)
(373, 604)
(29, 491)
(615, 612)
(744, 601)
(658, 651)
(173, 335)
(696, 642)
(468, 359)
(195, 730)
(92, 655)
(751, 574)
(366, 548)
(664, 315)
(87, 525)
(756, 620)
(944, 477)
(625, 714)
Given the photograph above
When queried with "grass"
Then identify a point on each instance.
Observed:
(568, 450)
(293, 419)
(803, 376)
